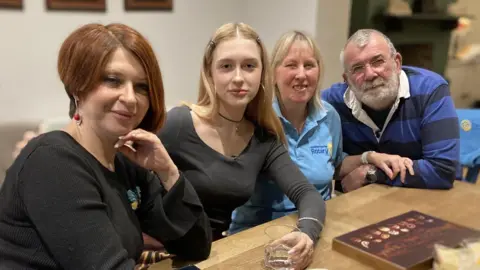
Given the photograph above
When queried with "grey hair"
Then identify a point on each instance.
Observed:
(361, 39)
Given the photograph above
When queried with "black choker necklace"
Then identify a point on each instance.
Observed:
(231, 120)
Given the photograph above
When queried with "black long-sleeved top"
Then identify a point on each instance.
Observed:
(225, 183)
(61, 209)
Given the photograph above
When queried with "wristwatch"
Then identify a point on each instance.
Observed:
(371, 176)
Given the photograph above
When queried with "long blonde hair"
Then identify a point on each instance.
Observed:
(280, 51)
(259, 110)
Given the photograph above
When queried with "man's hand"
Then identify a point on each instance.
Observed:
(355, 179)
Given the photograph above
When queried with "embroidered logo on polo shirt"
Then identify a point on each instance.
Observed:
(319, 149)
(330, 148)
(466, 125)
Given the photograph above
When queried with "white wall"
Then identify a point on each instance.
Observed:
(30, 39)
(326, 20)
(332, 24)
(271, 18)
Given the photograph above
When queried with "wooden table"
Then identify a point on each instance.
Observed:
(346, 213)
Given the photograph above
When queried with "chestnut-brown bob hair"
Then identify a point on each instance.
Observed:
(85, 53)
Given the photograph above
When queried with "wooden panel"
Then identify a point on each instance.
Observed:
(11, 4)
(77, 5)
(148, 4)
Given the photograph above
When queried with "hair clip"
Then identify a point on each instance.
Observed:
(211, 43)
(258, 39)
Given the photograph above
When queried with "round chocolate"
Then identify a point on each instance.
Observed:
(384, 229)
(385, 236)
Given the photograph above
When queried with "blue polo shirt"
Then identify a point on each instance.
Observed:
(317, 151)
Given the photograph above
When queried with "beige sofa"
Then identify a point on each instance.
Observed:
(10, 133)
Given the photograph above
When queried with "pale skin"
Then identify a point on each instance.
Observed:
(236, 74)
(297, 78)
(110, 114)
(236, 70)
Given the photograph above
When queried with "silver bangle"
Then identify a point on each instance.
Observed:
(310, 218)
(363, 158)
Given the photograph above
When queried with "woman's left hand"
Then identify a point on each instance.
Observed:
(392, 165)
(146, 149)
(301, 254)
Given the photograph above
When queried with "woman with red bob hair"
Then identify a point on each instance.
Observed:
(80, 198)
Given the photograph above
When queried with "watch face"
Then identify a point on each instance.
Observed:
(371, 176)
(372, 170)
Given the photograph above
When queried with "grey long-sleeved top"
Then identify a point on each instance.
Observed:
(225, 183)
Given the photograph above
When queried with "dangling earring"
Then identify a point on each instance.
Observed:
(76, 116)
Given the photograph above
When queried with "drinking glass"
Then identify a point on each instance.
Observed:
(276, 253)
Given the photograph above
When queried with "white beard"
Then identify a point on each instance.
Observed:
(380, 97)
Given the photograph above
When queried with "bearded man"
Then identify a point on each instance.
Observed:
(388, 108)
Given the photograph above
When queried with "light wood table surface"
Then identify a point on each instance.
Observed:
(346, 213)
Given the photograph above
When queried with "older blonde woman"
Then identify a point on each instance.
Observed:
(312, 128)
(232, 136)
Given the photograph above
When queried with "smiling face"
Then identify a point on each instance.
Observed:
(373, 72)
(297, 75)
(120, 101)
(236, 71)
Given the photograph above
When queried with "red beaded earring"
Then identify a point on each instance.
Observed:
(76, 116)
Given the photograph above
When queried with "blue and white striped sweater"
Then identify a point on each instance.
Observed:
(424, 128)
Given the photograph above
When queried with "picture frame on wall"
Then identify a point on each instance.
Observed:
(166, 5)
(11, 4)
(77, 5)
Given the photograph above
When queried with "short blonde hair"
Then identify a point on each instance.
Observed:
(259, 110)
(280, 51)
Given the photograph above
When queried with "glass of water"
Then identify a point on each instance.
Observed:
(276, 252)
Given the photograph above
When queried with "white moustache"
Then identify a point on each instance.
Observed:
(370, 85)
